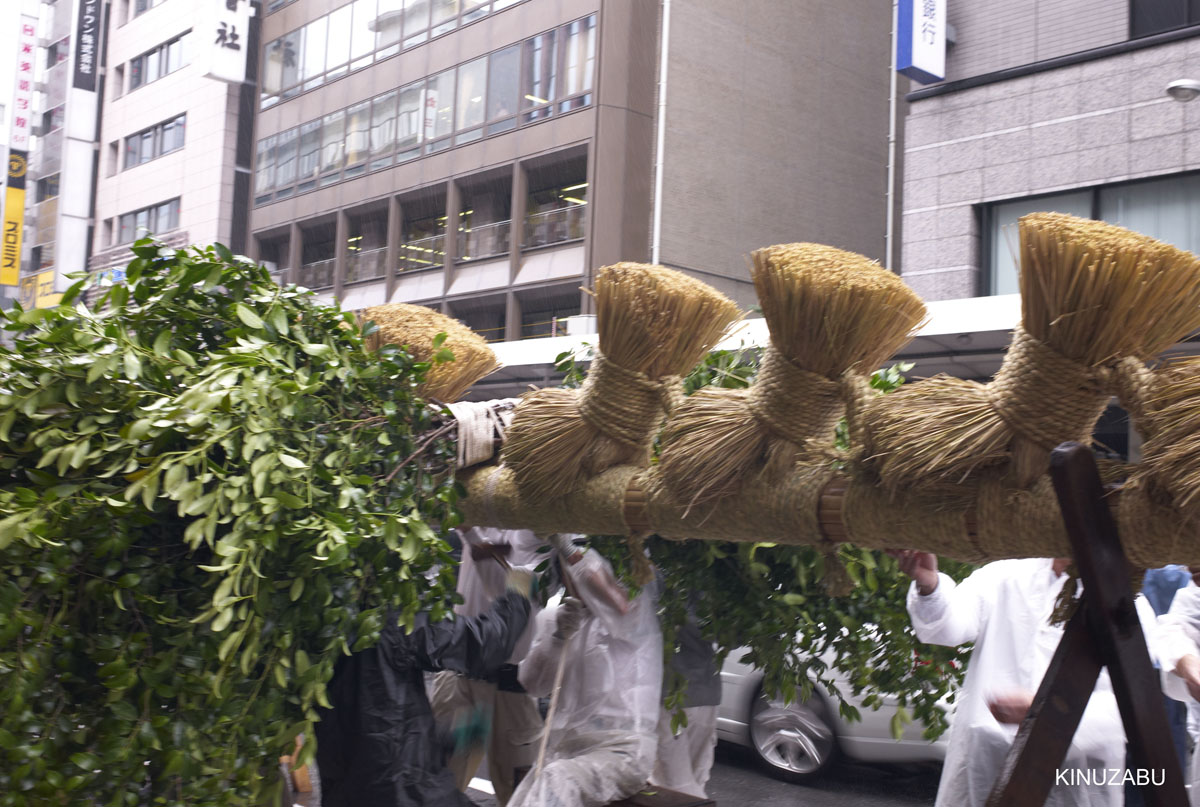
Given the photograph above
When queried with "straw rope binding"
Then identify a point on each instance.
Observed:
(654, 325)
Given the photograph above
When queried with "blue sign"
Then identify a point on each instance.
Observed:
(921, 40)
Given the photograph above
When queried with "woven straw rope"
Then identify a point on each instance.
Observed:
(1044, 396)
(792, 403)
(624, 405)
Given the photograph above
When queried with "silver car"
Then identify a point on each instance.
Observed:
(798, 741)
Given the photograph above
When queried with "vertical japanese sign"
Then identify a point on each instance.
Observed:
(87, 29)
(921, 40)
(224, 37)
(18, 154)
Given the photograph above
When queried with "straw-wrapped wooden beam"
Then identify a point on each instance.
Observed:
(817, 506)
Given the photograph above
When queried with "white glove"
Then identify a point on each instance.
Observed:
(568, 618)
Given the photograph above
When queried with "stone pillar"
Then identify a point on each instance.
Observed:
(453, 206)
(395, 236)
(340, 241)
(295, 252)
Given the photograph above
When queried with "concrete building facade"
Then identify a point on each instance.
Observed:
(486, 158)
(1048, 105)
(168, 142)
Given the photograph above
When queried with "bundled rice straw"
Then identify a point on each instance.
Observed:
(654, 325)
(830, 313)
(415, 327)
(1171, 428)
(1094, 297)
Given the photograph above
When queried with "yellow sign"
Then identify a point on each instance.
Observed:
(37, 291)
(14, 220)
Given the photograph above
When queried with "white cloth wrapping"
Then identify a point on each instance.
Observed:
(1005, 609)
(685, 759)
(603, 733)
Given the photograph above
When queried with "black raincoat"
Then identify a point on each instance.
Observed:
(377, 746)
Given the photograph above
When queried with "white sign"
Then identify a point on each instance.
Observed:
(921, 40)
(431, 102)
(22, 108)
(223, 37)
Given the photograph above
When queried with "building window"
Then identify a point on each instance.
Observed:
(142, 6)
(154, 142)
(154, 64)
(1167, 209)
(47, 188)
(58, 52)
(54, 118)
(156, 219)
(483, 97)
(355, 35)
(1148, 17)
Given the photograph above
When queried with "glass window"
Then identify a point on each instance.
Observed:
(472, 77)
(538, 75)
(126, 229)
(54, 118)
(1004, 246)
(358, 126)
(311, 40)
(416, 22)
(333, 144)
(174, 58)
(409, 119)
(337, 57)
(439, 108)
(285, 160)
(473, 10)
(293, 53)
(264, 166)
(133, 151)
(504, 67)
(141, 222)
(445, 16)
(362, 40)
(383, 129)
(388, 27)
(1155, 16)
(148, 152)
(167, 216)
(308, 162)
(578, 62)
(137, 72)
(173, 132)
(272, 77)
(1166, 209)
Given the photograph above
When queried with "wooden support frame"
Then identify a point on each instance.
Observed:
(1104, 632)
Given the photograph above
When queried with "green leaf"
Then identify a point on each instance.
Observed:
(291, 462)
(133, 365)
(248, 317)
(297, 589)
(85, 761)
(313, 349)
(162, 343)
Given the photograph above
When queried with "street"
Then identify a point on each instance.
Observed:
(736, 780)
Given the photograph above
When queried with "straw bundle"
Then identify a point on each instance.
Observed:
(1093, 296)
(830, 313)
(415, 327)
(1171, 427)
(654, 325)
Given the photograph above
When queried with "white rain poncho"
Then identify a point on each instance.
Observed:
(1005, 609)
(603, 734)
(1178, 635)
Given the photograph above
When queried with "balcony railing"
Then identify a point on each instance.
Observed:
(370, 264)
(555, 226)
(423, 253)
(317, 275)
(484, 241)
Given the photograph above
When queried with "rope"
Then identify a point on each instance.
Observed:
(624, 405)
(476, 432)
(1044, 396)
(794, 404)
(1134, 384)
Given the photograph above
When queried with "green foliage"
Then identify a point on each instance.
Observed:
(204, 503)
(770, 601)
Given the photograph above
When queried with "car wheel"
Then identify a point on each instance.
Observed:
(795, 742)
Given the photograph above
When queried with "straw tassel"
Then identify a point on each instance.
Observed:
(830, 313)
(415, 327)
(654, 325)
(1094, 296)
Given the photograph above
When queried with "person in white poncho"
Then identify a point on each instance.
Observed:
(1005, 608)
(603, 729)
(1177, 642)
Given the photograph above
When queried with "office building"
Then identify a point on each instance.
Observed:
(486, 157)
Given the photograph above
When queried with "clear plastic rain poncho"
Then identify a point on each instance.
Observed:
(603, 733)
